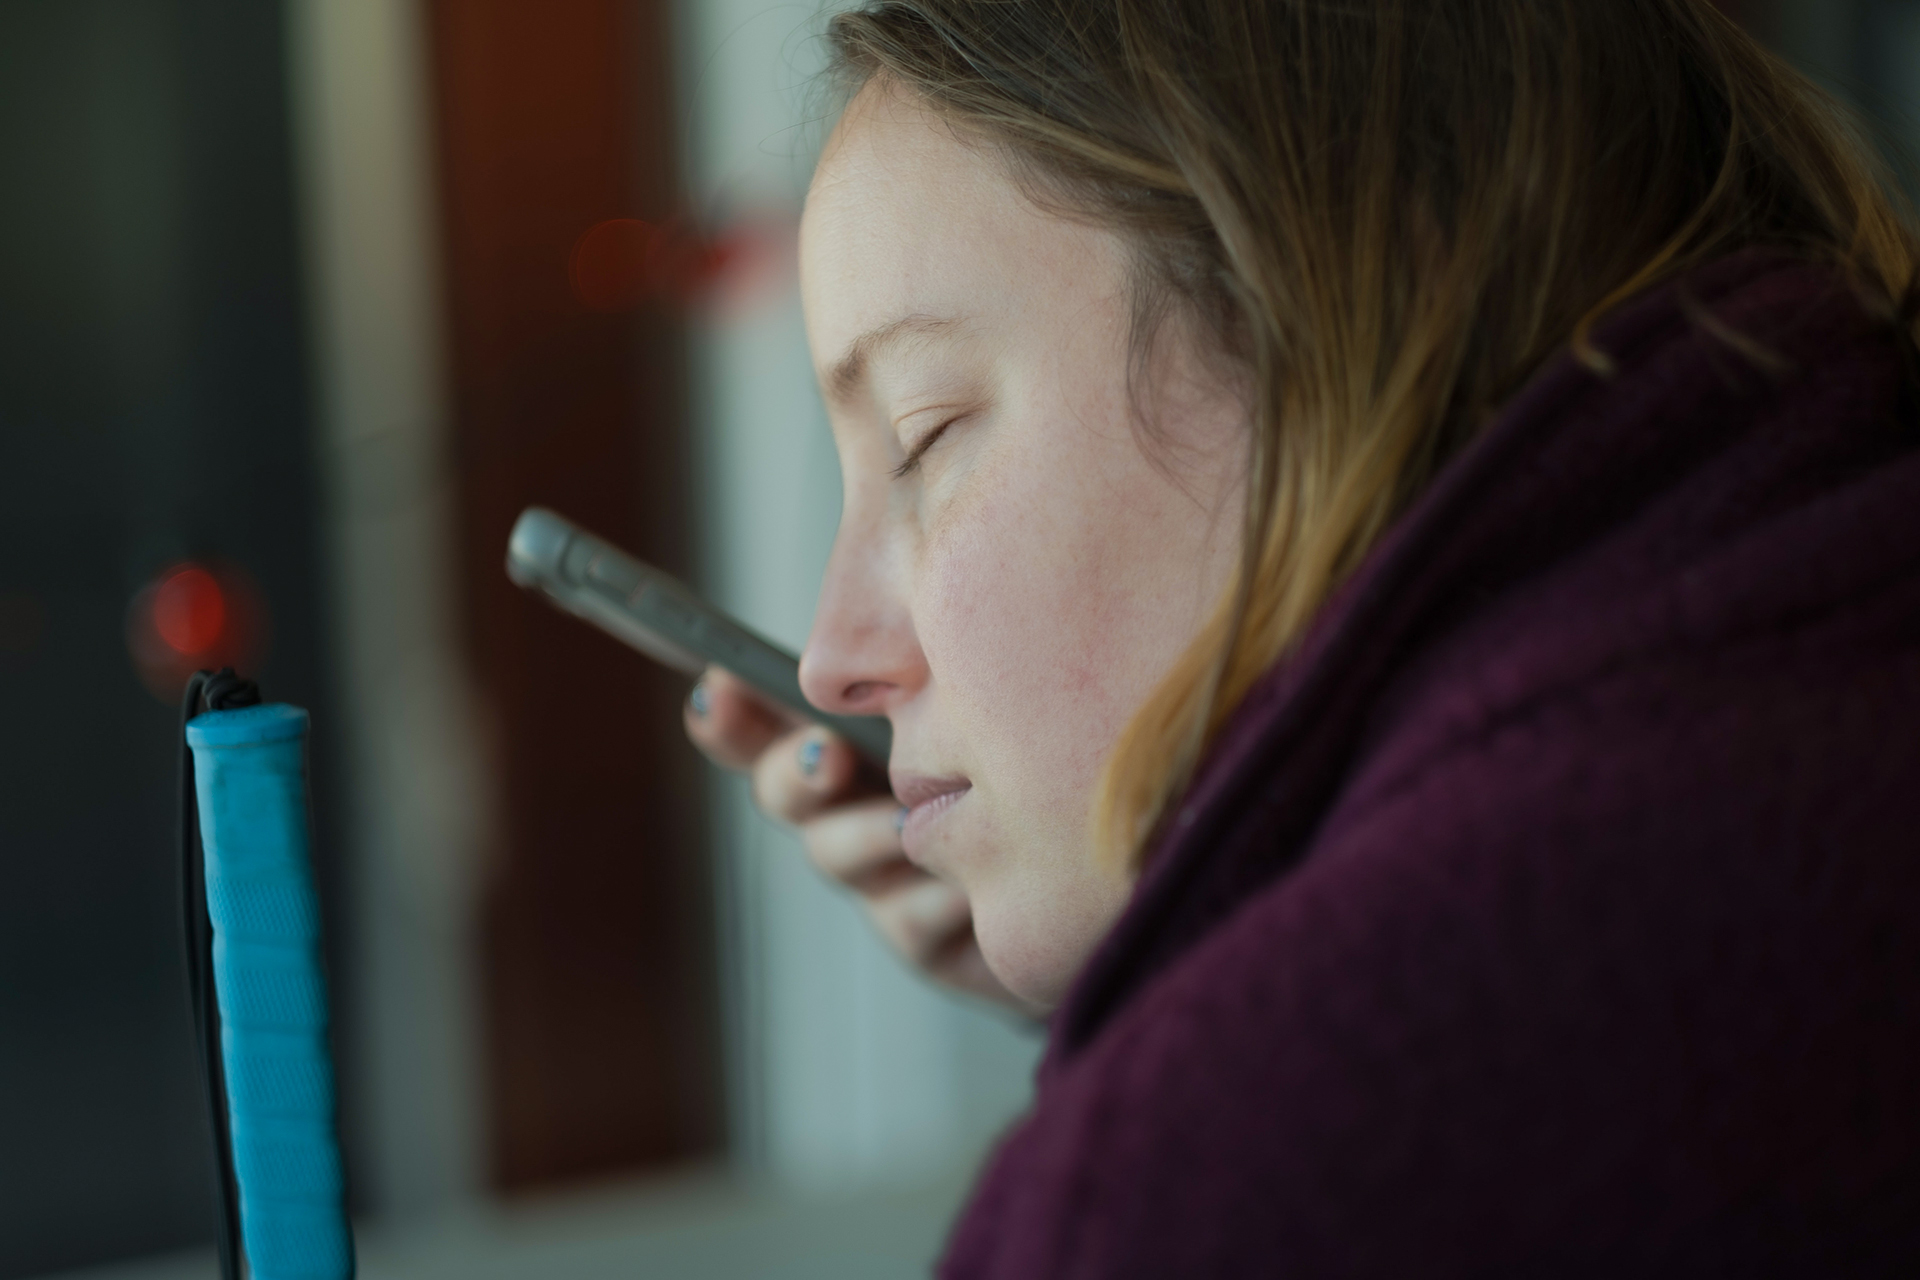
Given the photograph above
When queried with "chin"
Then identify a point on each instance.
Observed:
(1030, 954)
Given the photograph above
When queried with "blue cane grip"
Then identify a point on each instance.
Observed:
(250, 778)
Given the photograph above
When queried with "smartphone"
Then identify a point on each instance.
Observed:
(635, 602)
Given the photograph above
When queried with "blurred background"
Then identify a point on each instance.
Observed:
(300, 304)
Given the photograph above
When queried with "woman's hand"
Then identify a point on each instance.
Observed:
(809, 778)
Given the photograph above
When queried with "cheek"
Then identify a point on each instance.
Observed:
(1041, 628)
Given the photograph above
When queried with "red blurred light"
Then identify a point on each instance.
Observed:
(190, 610)
(623, 262)
(194, 616)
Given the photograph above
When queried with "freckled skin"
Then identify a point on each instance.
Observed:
(1012, 601)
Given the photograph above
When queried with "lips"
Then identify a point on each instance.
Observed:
(926, 799)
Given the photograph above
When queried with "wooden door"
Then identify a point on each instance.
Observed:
(598, 971)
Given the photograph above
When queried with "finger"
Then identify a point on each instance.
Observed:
(859, 844)
(731, 723)
(805, 772)
(923, 920)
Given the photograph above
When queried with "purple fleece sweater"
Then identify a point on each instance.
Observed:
(1556, 910)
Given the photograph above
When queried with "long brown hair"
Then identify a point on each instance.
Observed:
(1391, 212)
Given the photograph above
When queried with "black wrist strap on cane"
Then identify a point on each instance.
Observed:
(208, 691)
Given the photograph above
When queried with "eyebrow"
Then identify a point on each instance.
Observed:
(849, 372)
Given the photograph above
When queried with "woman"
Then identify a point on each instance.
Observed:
(1389, 536)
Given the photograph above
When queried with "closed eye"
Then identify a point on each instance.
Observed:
(911, 463)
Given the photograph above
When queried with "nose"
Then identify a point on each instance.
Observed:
(863, 657)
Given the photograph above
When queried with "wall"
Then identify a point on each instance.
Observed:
(417, 829)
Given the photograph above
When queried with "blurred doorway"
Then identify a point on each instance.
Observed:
(598, 975)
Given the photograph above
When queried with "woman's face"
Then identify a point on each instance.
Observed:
(1017, 566)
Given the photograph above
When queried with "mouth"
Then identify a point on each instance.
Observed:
(927, 801)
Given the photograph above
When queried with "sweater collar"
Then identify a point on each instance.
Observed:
(1550, 474)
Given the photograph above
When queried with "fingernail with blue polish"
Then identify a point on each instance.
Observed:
(810, 756)
(698, 699)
